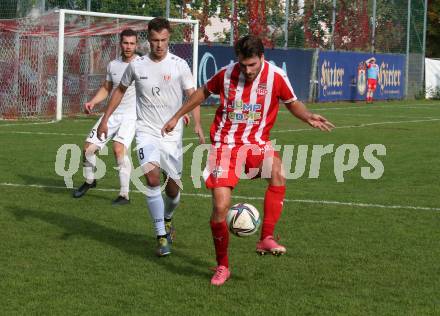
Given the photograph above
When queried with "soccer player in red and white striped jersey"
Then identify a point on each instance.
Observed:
(250, 92)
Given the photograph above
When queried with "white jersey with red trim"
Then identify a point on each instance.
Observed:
(159, 92)
(247, 110)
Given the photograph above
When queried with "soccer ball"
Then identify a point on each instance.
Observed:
(243, 219)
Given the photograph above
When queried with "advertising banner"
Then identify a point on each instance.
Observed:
(342, 76)
(296, 63)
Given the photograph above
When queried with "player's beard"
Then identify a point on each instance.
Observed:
(251, 76)
(159, 54)
(127, 54)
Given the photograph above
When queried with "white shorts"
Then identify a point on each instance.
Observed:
(121, 129)
(167, 153)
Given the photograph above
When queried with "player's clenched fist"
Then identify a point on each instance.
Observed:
(169, 126)
(88, 107)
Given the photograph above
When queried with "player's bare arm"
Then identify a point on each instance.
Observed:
(299, 110)
(114, 102)
(186, 117)
(194, 101)
(100, 96)
(198, 130)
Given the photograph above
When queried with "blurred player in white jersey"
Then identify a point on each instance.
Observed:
(121, 124)
(160, 79)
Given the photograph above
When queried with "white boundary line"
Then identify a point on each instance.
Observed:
(42, 133)
(324, 202)
(359, 107)
(26, 124)
(357, 126)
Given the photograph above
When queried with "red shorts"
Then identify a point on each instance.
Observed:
(225, 165)
(372, 83)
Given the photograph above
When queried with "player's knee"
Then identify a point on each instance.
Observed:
(278, 175)
(171, 189)
(89, 158)
(220, 208)
(89, 149)
(153, 179)
(279, 178)
(119, 151)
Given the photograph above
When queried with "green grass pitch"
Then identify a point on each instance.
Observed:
(358, 247)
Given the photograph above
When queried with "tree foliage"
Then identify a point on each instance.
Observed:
(308, 27)
(433, 32)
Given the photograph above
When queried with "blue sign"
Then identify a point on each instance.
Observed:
(342, 76)
(296, 63)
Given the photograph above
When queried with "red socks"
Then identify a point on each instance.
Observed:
(273, 206)
(220, 235)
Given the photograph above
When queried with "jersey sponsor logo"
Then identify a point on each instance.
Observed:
(249, 113)
(262, 89)
(143, 78)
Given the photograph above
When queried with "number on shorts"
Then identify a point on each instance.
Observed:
(92, 133)
(141, 153)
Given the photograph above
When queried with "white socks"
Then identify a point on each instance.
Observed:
(156, 207)
(170, 205)
(89, 167)
(124, 167)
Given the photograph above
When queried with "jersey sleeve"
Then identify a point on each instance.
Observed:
(186, 77)
(215, 83)
(129, 76)
(285, 90)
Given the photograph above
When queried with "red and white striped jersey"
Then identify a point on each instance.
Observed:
(247, 110)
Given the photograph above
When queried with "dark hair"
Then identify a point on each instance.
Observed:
(127, 32)
(158, 24)
(249, 46)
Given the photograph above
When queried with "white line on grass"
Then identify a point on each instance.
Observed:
(26, 124)
(324, 202)
(41, 133)
(360, 107)
(357, 126)
(386, 107)
(273, 132)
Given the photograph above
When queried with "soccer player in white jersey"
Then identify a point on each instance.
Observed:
(160, 79)
(121, 124)
(250, 92)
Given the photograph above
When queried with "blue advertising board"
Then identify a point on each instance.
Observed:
(296, 63)
(341, 76)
